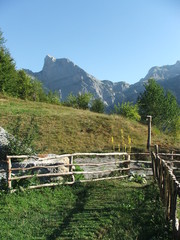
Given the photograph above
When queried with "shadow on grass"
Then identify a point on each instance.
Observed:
(143, 217)
(150, 216)
(133, 213)
(82, 195)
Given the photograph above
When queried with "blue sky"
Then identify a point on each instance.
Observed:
(117, 40)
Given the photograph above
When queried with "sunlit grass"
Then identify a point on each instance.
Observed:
(103, 210)
(64, 129)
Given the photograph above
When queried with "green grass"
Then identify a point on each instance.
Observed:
(103, 210)
(66, 130)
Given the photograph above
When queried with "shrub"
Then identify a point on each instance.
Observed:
(21, 138)
(128, 110)
(97, 106)
(81, 101)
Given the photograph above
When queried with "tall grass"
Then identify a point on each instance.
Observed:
(66, 130)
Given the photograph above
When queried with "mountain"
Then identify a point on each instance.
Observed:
(167, 76)
(164, 72)
(64, 76)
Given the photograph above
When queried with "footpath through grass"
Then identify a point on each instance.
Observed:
(103, 210)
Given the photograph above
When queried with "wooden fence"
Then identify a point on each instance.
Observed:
(122, 161)
(123, 166)
(169, 188)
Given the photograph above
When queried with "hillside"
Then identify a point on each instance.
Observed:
(66, 130)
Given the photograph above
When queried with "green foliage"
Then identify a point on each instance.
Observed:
(97, 105)
(24, 85)
(8, 75)
(138, 178)
(161, 106)
(78, 176)
(53, 97)
(21, 184)
(81, 101)
(21, 138)
(71, 101)
(127, 109)
(18, 83)
(2, 40)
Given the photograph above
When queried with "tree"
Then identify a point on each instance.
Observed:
(71, 101)
(18, 83)
(24, 85)
(161, 106)
(97, 106)
(127, 109)
(81, 101)
(8, 73)
(53, 97)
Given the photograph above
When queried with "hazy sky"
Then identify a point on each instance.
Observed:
(117, 40)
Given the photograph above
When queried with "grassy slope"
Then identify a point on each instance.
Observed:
(65, 130)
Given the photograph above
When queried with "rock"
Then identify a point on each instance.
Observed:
(47, 161)
(3, 137)
(3, 143)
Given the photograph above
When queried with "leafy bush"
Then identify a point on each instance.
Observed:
(21, 184)
(138, 178)
(97, 105)
(21, 138)
(81, 101)
(128, 110)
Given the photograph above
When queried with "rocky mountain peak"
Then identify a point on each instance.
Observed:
(163, 72)
(64, 76)
(49, 59)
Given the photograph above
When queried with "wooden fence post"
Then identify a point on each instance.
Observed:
(149, 119)
(71, 167)
(156, 149)
(172, 158)
(9, 165)
(129, 159)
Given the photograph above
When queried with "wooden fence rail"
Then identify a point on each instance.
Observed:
(122, 162)
(169, 190)
(123, 166)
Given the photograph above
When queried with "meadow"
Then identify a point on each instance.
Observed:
(67, 130)
(102, 210)
(98, 210)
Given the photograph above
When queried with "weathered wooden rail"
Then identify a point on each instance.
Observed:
(122, 161)
(123, 166)
(169, 188)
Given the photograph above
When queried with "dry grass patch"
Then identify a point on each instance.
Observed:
(63, 129)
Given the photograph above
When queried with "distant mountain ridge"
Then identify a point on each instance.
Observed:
(64, 76)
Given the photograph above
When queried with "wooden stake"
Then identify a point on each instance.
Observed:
(9, 165)
(149, 119)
